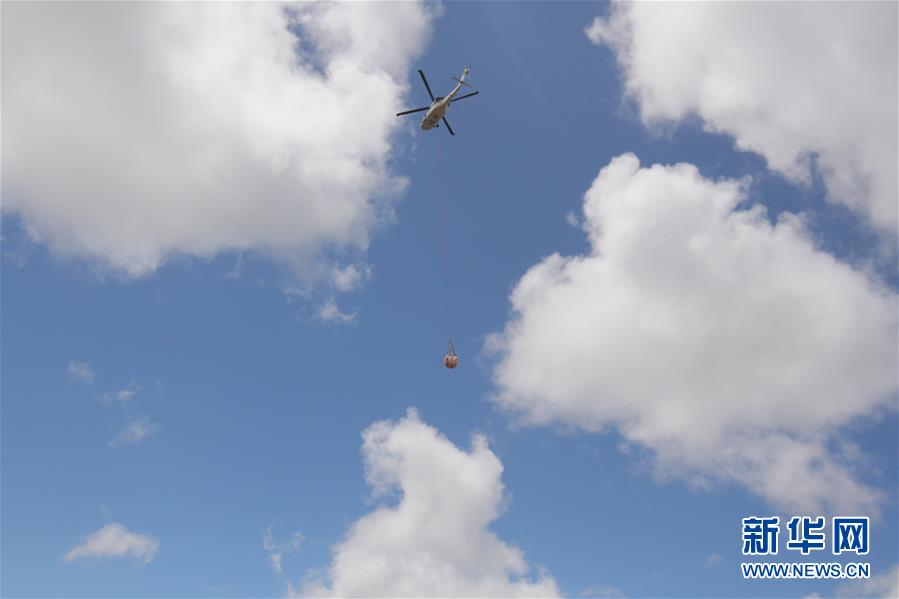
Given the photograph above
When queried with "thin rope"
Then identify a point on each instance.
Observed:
(443, 244)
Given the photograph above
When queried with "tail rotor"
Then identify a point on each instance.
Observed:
(465, 72)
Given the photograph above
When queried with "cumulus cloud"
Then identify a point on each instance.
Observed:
(80, 371)
(729, 346)
(788, 80)
(136, 431)
(276, 551)
(135, 132)
(114, 540)
(436, 541)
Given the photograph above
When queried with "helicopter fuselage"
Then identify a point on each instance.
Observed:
(438, 109)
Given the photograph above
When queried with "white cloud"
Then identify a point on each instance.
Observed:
(136, 132)
(350, 277)
(729, 346)
(137, 430)
(114, 540)
(276, 551)
(122, 395)
(80, 371)
(602, 591)
(881, 586)
(330, 312)
(786, 79)
(436, 541)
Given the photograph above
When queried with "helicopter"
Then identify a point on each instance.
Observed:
(437, 108)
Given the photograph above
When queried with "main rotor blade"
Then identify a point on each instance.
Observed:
(463, 97)
(425, 81)
(413, 110)
(448, 128)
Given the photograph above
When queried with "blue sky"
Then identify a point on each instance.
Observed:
(252, 406)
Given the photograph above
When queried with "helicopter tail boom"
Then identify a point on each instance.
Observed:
(461, 80)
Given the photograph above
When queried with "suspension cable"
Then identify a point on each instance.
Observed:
(443, 242)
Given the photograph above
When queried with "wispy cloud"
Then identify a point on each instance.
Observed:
(80, 371)
(330, 312)
(350, 277)
(602, 592)
(235, 272)
(122, 395)
(114, 540)
(137, 430)
(276, 551)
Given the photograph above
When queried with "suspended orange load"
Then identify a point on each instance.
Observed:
(451, 360)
